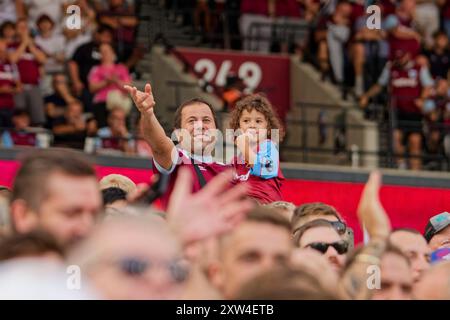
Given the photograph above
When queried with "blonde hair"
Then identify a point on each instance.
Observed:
(117, 181)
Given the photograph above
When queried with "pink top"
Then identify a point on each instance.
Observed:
(101, 72)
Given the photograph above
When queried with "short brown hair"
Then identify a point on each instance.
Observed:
(261, 104)
(390, 248)
(38, 165)
(35, 243)
(311, 225)
(312, 209)
(285, 283)
(177, 116)
(268, 215)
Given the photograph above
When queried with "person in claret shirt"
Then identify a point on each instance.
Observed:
(195, 127)
(410, 84)
(8, 86)
(401, 31)
(258, 162)
(29, 58)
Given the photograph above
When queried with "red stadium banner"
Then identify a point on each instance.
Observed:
(260, 73)
(406, 206)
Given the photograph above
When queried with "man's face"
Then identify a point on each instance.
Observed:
(22, 28)
(45, 26)
(251, 249)
(416, 248)
(117, 120)
(440, 240)
(9, 32)
(21, 122)
(74, 110)
(70, 208)
(326, 235)
(138, 264)
(396, 279)
(198, 127)
(441, 41)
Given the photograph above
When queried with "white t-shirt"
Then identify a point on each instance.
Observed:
(51, 46)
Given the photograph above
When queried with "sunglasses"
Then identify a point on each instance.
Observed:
(136, 267)
(339, 226)
(340, 246)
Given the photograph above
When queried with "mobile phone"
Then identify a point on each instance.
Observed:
(156, 190)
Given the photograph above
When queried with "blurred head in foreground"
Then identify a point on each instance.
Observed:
(133, 258)
(284, 283)
(259, 243)
(55, 191)
(413, 245)
(43, 279)
(435, 283)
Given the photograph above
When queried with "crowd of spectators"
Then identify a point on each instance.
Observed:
(60, 85)
(62, 230)
(352, 48)
(201, 229)
(50, 70)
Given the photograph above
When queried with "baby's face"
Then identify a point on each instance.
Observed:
(255, 123)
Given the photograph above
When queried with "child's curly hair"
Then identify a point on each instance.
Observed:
(261, 104)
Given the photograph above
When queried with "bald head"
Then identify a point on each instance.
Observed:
(435, 283)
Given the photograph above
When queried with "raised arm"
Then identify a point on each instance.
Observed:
(372, 216)
(154, 133)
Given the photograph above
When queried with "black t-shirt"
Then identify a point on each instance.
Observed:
(56, 99)
(86, 57)
(439, 63)
(59, 102)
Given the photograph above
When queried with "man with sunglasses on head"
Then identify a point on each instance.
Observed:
(318, 210)
(321, 235)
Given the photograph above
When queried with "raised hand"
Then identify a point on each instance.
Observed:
(210, 212)
(371, 213)
(143, 100)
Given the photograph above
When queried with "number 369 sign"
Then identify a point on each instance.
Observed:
(260, 73)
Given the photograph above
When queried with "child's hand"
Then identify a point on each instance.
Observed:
(243, 141)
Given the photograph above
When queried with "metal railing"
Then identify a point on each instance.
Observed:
(339, 127)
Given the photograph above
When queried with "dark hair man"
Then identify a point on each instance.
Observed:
(195, 125)
(321, 236)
